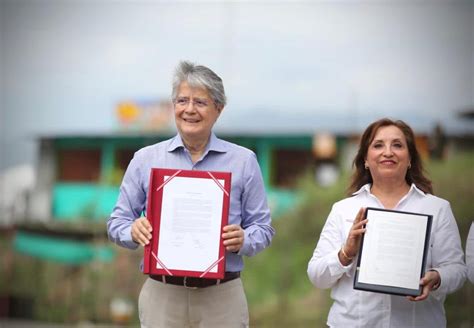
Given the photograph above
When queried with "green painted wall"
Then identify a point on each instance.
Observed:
(83, 201)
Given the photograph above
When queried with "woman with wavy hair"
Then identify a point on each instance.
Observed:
(389, 175)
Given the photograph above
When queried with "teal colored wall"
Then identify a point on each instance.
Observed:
(83, 201)
(61, 250)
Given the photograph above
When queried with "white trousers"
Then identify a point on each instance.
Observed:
(166, 306)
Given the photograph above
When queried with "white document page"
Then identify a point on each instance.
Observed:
(190, 227)
(393, 248)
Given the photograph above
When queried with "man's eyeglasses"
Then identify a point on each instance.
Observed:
(184, 102)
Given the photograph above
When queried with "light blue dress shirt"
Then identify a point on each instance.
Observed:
(248, 203)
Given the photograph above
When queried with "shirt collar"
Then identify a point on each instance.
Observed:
(214, 144)
(366, 188)
(414, 188)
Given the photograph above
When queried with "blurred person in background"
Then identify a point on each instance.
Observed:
(470, 254)
(199, 98)
(389, 175)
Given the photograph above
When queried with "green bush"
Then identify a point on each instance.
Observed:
(278, 290)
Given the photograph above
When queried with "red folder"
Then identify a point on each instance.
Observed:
(153, 264)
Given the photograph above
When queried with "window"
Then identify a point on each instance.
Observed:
(79, 165)
(289, 164)
(123, 158)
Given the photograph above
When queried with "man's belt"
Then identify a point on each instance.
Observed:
(194, 282)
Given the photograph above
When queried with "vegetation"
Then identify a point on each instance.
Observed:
(278, 290)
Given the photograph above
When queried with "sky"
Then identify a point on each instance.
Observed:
(287, 66)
